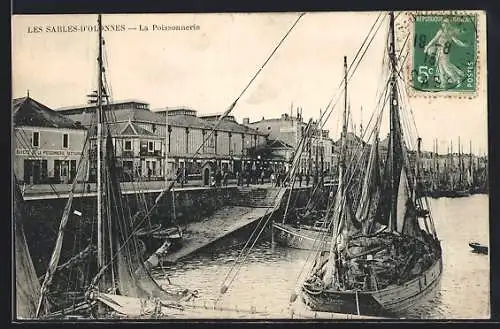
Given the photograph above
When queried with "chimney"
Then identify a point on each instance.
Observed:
(246, 121)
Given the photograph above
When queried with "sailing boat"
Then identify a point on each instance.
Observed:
(463, 185)
(120, 278)
(382, 259)
(302, 230)
(27, 284)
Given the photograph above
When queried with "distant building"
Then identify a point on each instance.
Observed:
(143, 137)
(47, 145)
(286, 132)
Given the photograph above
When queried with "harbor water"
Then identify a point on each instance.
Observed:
(269, 276)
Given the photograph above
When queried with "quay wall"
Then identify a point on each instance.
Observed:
(42, 217)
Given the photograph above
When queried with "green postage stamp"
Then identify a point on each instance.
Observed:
(444, 53)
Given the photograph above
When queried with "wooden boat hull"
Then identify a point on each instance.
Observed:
(389, 301)
(299, 238)
(478, 248)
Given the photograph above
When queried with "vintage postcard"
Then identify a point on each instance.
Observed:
(299, 165)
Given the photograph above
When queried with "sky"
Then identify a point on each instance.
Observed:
(208, 67)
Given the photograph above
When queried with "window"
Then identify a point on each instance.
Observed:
(153, 127)
(65, 141)
(36, 139)
(211, 141)
(150, 146)
(128, 145)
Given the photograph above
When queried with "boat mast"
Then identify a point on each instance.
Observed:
(167, 144)
(393, 109)
(460, 165)
(417, 169)
(437, 163)
(100, 254)
(343, 135)
(166, 148)
(471, 173)
(452, 166)
(322, 148)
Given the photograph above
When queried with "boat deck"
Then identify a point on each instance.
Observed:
(223, 222)
(201, 310)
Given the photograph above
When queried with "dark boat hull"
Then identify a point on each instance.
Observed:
(478, 248)
(392, 300)
(299, 238)
(449, 194)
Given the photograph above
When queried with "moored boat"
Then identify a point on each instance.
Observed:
(478, 248)
(300, 237)
(120, 268)
(385, 255)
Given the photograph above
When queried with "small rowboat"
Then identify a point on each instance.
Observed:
(479, 248)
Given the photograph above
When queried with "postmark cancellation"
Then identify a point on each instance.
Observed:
(443, 50)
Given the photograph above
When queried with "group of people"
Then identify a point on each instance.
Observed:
(250, 176)
(219, 179)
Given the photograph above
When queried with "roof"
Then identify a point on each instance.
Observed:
(28, 112)
(126, 129)
(174, 118)
(233, 126)
(283, 117)
(277, 143)
(90, 106)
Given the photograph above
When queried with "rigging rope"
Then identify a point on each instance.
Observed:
(219, 121)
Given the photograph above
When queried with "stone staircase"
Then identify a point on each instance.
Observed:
(257, 197)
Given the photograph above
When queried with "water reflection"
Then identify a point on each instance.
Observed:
(269, 276)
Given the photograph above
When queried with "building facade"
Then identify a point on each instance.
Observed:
(47, 146)
(286, 132)
(195, 145)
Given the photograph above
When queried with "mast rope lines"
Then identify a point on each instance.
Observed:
(225, 287)
(236, 266)
(219, 121)
(383, 97)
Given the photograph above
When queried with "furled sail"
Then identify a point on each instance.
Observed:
(370, 193)
(402, 201)
(131, 276)
(56, 253)
(27, 285)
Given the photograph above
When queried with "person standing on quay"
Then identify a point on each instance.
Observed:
(300, 178)
(247, 177)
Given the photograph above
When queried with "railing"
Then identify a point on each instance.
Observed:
(150, 153)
